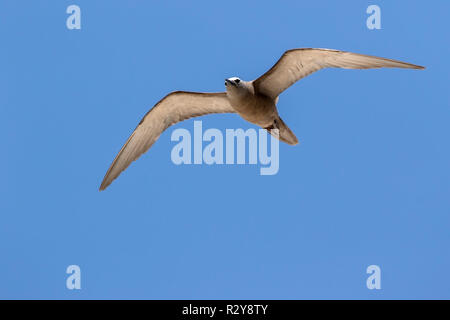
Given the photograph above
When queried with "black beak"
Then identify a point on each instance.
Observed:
(229, 82)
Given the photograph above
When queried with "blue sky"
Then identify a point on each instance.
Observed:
(369, 182)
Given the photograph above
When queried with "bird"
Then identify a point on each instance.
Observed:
(255, 101)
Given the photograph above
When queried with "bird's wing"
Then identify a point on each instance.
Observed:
(175, 107)
(296, 64)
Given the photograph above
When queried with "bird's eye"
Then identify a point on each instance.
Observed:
(237, 80)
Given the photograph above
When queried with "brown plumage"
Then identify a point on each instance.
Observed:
(255, 101)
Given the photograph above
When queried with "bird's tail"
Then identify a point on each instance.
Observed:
(284, 133)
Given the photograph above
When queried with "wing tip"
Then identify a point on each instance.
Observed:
(105, 183)
(407, 65)
(411, 65)
(103, 186)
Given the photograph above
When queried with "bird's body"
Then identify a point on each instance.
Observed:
(255, 108)
(255, 101)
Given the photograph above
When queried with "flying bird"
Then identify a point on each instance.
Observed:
(255, 101)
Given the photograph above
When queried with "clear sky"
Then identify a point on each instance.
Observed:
(369, 183)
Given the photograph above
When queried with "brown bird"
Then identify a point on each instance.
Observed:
(255, 101)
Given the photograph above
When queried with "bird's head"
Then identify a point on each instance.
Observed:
(236, 86)
(233, 81)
